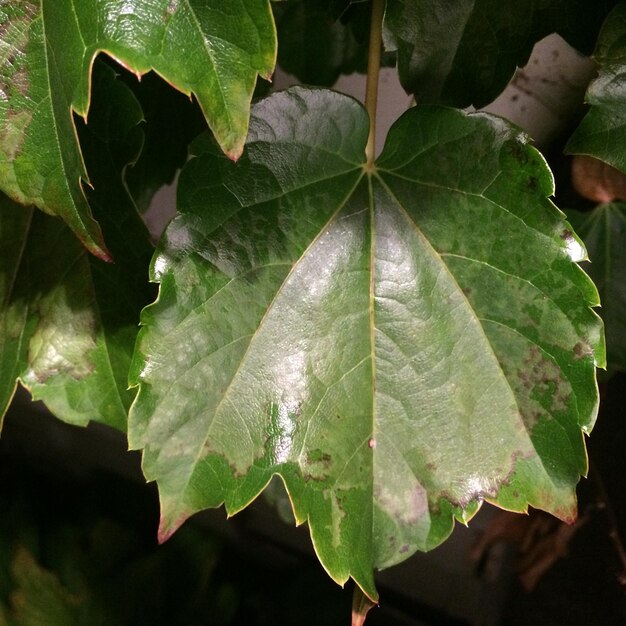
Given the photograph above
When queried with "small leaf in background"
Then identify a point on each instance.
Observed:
(87, 541)
(212, 49)
(68, 321)
(40, 598)
(540, 540)
(316, 45)
(604, 233)
(602, 132)
(464, 53)
(398, 345)
(14, 227)
(171, 121)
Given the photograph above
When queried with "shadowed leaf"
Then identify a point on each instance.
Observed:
(316, 45)
(604, 233)
(465, 52)
(602, 132)
(68, 321)
(210, 48)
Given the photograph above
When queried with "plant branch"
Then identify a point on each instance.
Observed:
(373, 70)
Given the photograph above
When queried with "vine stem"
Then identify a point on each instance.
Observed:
(373, 70)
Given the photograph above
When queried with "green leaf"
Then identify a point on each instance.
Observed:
(602, 132)
(465, 52)
(206, 47)
(398, 345)
(315, 45)
(604, 234)
(171, 122)
(14, 312)
(68, 321)
(40, 597)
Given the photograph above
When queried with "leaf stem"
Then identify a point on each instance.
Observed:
(373, 70)
(361, 605)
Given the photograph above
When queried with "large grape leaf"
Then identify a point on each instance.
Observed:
(398, 343)
(602, 132)
(68, 321)
(465, 52)
(210, 48)
(604, 234)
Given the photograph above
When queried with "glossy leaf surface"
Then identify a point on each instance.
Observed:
(604, 234)
(68, 321)
(206, 47)
(397, 345)
(465, 52)
(602, 132)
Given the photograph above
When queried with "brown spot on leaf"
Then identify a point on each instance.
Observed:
(21, 81)
(405, 506)
(518, 152)
(318, 466)
(318, 457)
(13, 132)
(548, 391)
(582, 350)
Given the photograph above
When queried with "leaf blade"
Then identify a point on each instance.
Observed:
(603, 233)
(602, 130)
(77, 315)
(313, 325)
(466, 53)
(46, 77)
